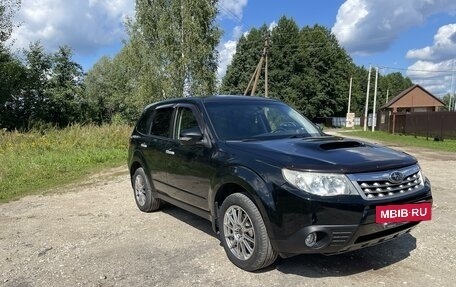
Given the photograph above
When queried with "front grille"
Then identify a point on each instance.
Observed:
(373, 189)
(379, 185)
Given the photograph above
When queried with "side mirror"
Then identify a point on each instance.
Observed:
(190, 136)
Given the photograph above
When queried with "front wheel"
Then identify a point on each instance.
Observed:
(243, 234)
(143, 192)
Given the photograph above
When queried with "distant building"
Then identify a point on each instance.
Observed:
(413, 99)
(392, 116)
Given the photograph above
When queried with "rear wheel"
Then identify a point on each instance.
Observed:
(142, 190)
(243, 234)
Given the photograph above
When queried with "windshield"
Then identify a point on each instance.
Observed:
(258, 120)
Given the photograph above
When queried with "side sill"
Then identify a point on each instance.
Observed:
(190, 208)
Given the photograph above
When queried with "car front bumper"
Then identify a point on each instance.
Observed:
(340, 227)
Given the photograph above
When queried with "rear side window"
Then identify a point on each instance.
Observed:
(144, 122)
(161, 122)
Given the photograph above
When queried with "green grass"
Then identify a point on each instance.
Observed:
(404, 140)
(34, 161)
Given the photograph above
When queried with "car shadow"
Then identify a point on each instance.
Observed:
(370, 258)
(318, 265)
(188, 218)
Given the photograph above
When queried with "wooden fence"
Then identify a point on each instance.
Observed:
(441, 125)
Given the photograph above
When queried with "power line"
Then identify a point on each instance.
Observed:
(416, 70)
(228, 11)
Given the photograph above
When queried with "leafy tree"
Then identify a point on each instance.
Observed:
(182, 36)
(7, 10)
(12, 75)
(170, 52)
(359, 87)
(446, 100)
(23, 105)
(66, 90)
(38, 65)
(121, 87)
(143, 85)
(244, 62)
(308, 69)
(285, 66)
(47, 89)
(99, 90)
(326, 72)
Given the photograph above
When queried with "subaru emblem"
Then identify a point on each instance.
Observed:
(396, 177)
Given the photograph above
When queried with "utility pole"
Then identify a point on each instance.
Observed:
(452, 100)
(367, 99)
(387, 94)
(266, 92)
(374, 116)
(349, 95)
(350, 117)
(257, 72)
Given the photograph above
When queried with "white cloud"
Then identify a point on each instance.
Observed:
(232, 9)
(272, 25)
(436, 77)
(435, 63)
(365, 26)
(226, 52)
(228, 49)
(85, 25)
(444, 46)
(237, 32)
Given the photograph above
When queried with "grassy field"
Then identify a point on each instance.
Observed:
(405, 140)
(34, 161)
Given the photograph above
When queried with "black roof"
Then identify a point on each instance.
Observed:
(211, 99)
(232, 98)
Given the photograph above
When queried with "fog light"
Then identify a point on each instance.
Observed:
(311, 239)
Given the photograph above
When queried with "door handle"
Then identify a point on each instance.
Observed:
(170, 152)
(143, 145)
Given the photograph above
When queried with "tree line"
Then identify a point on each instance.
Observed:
(171, 52)
(41, 88)
(308, 69)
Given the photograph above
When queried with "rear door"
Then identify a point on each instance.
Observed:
(156, 145)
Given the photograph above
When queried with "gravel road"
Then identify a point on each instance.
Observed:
(92, 234)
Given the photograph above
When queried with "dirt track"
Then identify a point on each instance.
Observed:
(92, 234)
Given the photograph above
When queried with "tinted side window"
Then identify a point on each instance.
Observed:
(161, 123)
(186, 122)
(144, 122)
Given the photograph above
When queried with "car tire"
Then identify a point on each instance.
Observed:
(142, 190)
(244, 235)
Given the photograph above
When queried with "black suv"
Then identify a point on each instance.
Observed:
(270, 181)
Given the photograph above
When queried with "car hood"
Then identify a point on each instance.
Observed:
(323, 154)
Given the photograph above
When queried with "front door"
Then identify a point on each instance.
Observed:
(191, 165)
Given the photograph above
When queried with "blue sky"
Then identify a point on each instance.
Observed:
(415, 37)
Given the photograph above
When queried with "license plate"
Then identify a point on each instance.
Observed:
(403, 212)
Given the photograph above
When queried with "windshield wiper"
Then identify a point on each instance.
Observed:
(243, 140)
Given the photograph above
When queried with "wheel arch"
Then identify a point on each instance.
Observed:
(137, 162)
(244, 180)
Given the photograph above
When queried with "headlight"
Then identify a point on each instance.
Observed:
(422, 177)
(323, 184)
